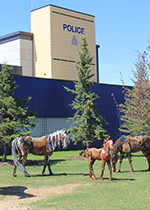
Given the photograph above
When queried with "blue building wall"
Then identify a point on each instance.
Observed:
(50, 99)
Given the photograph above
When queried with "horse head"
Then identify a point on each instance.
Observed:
(65, 139)
(108, 144)
(144, 141)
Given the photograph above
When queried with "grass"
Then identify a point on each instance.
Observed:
(126, 191)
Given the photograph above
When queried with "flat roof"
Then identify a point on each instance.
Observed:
(16, 35)
(62, 8)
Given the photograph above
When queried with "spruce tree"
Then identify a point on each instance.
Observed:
(16, 120)
(88, 123)
(135, 112)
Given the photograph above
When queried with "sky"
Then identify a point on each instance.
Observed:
(122, 27)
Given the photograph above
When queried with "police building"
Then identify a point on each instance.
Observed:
(44, 62)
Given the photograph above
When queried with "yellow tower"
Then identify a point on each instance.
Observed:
(57, 37)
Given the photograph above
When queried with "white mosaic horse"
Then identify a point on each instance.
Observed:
(38, 146)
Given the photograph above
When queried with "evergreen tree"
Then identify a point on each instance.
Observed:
(15, 119)
(88, 122)
(136, 109)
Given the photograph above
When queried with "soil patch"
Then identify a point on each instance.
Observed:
(9, 162)
(6, 163)
(17, 196)
(79, 157)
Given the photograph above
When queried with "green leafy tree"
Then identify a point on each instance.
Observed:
(135, 112)
(88, 122)
(15, 118)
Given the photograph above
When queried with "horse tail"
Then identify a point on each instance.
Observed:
(14, 155)
(14, 148)
(87, 153)
(81, 153)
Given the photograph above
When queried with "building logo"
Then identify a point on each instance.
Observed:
(74, 29)
(74, 41)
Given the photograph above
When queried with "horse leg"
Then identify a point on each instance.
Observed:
(14, 173)
(121, 156)
(147, 155)
(110, 170)
(129, 159)
(148, 164)
(148, 159)
(102, 169)
(45, 164)
(91, 162)
(49, 167)
(23, 163)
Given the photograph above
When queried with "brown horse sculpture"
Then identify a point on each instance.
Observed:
(100, 154)
(37, 146)
(127, 145)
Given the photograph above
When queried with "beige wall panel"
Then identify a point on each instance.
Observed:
(62, 47)
(40, 26)
(62, 68)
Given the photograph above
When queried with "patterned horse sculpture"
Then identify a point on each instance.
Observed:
(100, 154)
(127, 145)
(37, 146)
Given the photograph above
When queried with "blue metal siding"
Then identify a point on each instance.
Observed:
(107, 107)
(51, 100)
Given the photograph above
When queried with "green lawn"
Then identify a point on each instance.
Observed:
(71, 188)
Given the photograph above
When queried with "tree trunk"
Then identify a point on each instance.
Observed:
(4, 158)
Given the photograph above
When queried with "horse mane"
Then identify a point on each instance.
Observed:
(55, 138)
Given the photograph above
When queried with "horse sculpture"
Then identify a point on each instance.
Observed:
(127, 145)
(100, 154)
(37, 146)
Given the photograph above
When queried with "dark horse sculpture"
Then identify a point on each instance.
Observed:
(37, 146)
(100, 154)
(127, 145)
